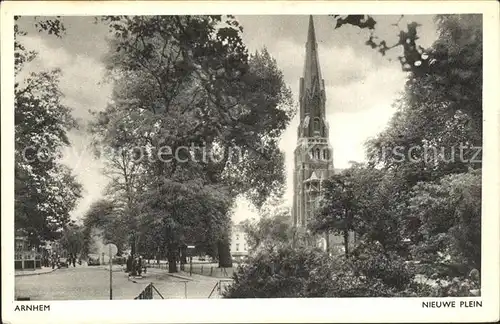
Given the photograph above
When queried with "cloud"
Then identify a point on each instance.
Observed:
(82, 76)
(83, 91)
(79, 158)
(340, 66)
(379, 86)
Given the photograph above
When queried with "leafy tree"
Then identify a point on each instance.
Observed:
(192, 214)
(437, 130)
(414, 59)
(431, 150)
(72, 239)
(441, 107)
(106, 218)
(360, 201)
(187, 82)
(450, 218)
(45, 189)
(337, 214)
(269, 232)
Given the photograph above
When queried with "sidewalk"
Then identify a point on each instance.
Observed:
(116, 267)
(43, 270)
(179, 285)
(178, 275)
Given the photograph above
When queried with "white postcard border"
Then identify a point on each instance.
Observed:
(262, 310)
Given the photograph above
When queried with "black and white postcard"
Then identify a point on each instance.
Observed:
(250, 161)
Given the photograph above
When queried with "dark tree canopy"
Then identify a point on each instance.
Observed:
(45, 190)
(206, 117)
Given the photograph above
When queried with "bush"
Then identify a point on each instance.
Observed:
(368, 272)
(275, 273)
(311, 273)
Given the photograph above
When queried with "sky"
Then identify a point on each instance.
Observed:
(361, 84)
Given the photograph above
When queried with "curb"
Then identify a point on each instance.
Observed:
(33, 273)
(175, 275)
(179, 276)
(114, 270)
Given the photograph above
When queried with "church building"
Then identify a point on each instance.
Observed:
(313, 155)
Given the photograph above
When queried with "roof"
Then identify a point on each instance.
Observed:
(313, 177)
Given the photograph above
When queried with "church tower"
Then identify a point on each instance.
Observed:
(313, 154)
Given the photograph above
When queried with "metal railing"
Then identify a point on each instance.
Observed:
(148, 292)
(197, 268)
(218, 287)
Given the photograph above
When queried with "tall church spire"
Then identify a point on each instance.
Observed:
(312, 89)
(311, 65)
(313, 155)
(312, 71)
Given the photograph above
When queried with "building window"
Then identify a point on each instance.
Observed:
(237, 236)
(317, 154)
(316, 126)
(244, 247)
(237, 247)
(325, 155)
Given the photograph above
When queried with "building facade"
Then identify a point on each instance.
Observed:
(239, 245)
(313, 155)
(26, 257)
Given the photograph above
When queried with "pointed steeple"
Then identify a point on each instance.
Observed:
(311, 36)
(312, 71)
(312, 90)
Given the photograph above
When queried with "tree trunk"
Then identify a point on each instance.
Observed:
(346, 243)
(224, 250)
(172, 258)
(132, 246)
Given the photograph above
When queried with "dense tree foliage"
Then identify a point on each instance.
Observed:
(72, 239)
(361, 200)
(434, 143)
(45, 190)
(449, 212)
(196, 115)
(269, 231)
(102, 224)
(430, 154)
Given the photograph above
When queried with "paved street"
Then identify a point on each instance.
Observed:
(92, 283)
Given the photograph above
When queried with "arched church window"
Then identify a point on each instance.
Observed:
(317, 154)
(316, 126)
(326, 155)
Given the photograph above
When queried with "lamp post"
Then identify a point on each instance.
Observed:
(112, 250)
(110, 274)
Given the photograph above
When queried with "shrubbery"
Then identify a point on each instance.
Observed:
(369, 272)
(304, 272)
(281, 272)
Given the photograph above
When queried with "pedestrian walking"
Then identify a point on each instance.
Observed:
(73, 259)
